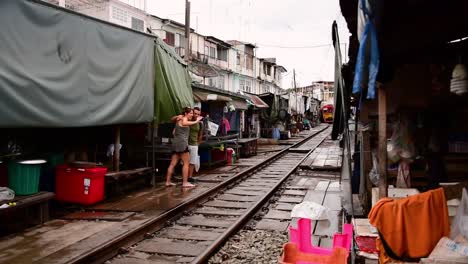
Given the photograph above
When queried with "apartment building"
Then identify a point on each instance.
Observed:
(118, 12)
(228, 65)
(321, 90)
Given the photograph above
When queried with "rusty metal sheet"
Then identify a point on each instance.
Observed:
(268, 224)
(190, 234)
(277, 214)
(295, 192)
(224, 204)
(199, 220)
(217, 211)
(170, 247)
(237, 198)
(287, 199)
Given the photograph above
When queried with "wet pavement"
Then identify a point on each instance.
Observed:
(61, 241)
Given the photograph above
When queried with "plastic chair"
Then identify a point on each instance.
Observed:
(292, 255)
(302, 236)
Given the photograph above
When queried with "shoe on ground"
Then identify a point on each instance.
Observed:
(192, 180)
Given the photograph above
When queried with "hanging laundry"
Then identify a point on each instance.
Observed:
(226, 124)
(410, 228)
(368, 58)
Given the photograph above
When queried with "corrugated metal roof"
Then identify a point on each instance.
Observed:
(259, 103)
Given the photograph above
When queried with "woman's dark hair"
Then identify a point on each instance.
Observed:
(197, 108)
(187, 110)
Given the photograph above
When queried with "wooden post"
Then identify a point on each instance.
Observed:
(382, 154)
(366, 157)
(154, 132)
(116, 156)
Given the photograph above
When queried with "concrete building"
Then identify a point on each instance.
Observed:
(321, 90)
(114, 11)
(227, 65)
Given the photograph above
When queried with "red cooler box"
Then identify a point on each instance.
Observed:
(79, 185)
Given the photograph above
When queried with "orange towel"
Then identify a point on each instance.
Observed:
(411, 227)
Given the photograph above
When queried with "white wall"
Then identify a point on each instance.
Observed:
(96, 10)
(122, 14)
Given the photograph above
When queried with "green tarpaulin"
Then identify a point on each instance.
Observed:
(172, 86)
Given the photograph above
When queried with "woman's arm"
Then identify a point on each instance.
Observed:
(185, 121)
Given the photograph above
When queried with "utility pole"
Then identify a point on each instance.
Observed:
(295, 91)
(187, 30)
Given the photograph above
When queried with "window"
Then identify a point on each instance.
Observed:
(138, 24)
(212, 53)
(245, 85)
(222, 53)
(238, 62)
(119, 14)
(221, 82)
(212, 82)
(70, 6)
(181, 40)
(170, 39)
(249, 62)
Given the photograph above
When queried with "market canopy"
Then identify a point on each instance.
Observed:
(61, 69)
(256, 101)
(206, 97)
(240, 104)
(172, 86)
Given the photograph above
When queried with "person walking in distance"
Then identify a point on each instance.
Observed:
(180, 149)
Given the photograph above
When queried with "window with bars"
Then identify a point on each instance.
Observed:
(138, 24)
(119, 14)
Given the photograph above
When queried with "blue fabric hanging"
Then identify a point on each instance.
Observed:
(367, 65)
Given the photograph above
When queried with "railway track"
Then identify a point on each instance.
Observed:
(193, 231)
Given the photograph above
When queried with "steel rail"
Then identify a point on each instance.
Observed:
(204, 257)
(111, 248)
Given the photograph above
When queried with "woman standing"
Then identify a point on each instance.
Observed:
(180, 150)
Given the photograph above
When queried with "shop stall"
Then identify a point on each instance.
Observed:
(412, 119)
(77, 103)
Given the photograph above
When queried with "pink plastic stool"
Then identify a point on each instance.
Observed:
(302, 236)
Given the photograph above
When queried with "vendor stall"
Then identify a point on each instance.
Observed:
(411, 97)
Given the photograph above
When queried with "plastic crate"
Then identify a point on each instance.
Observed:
(79, 185)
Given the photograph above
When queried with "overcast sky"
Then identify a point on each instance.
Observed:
(282, 29)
